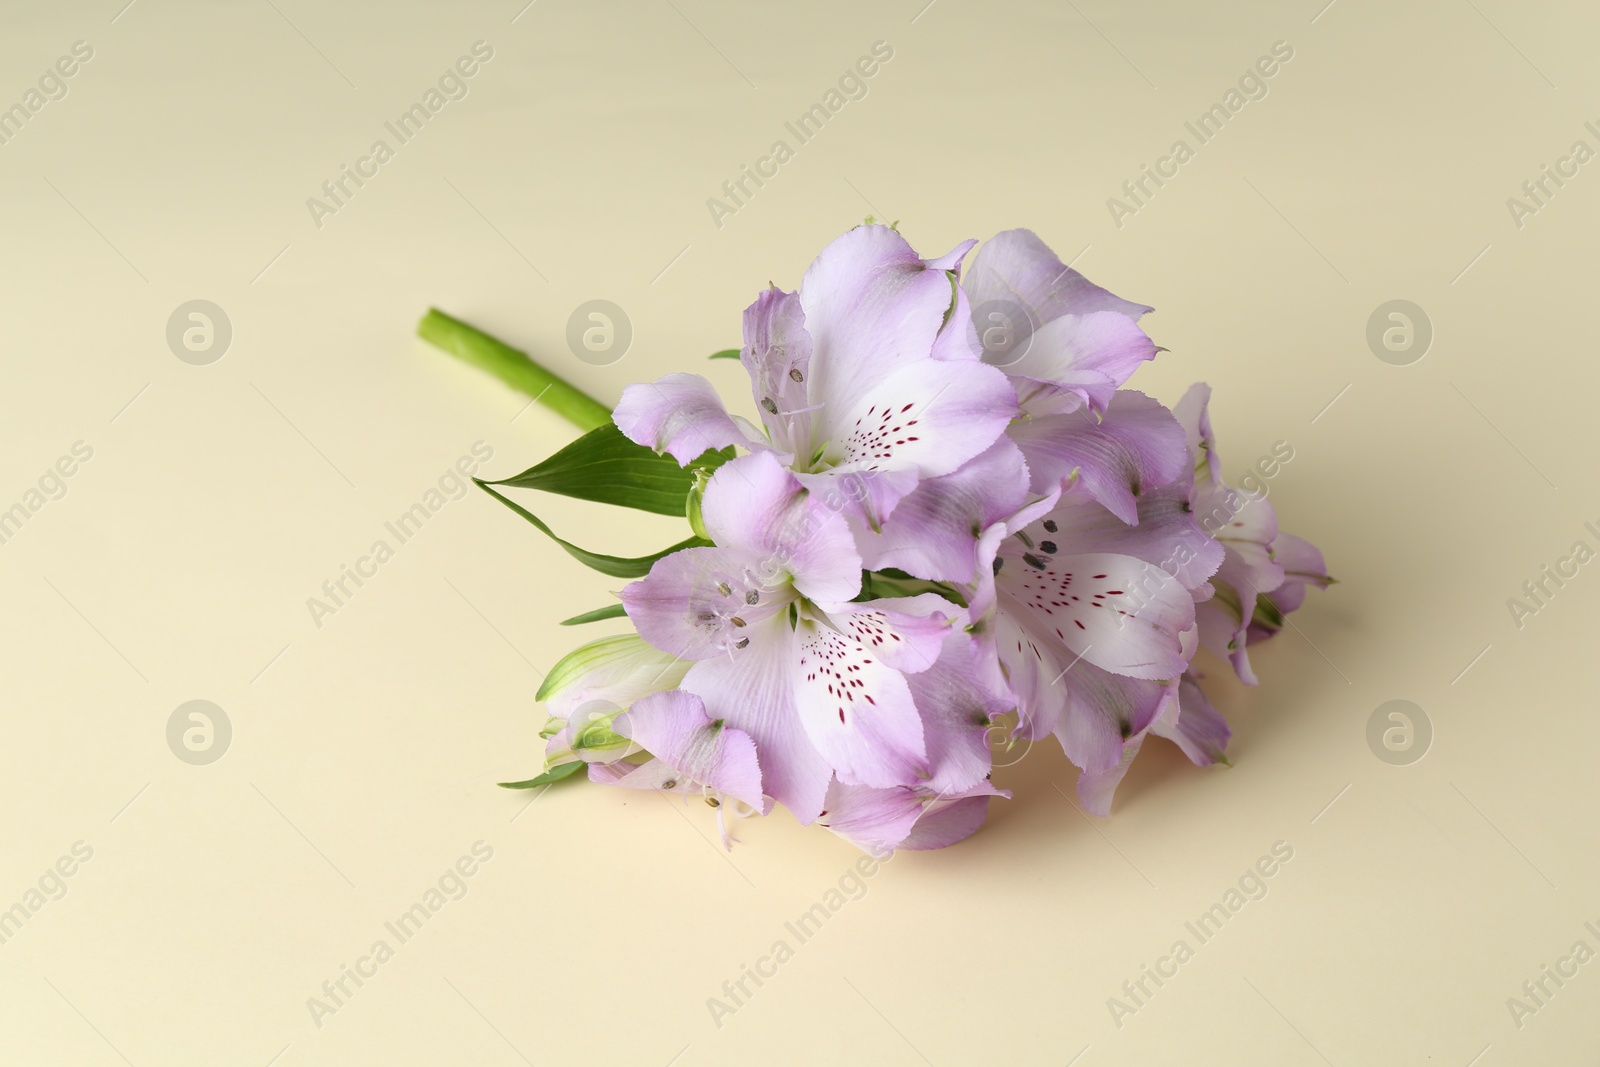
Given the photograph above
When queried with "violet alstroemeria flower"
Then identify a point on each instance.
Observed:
(782, 653)
(1092, 625)
(845, 380)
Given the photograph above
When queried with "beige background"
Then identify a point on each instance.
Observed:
(219, 498)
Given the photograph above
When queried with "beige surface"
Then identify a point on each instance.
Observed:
(177, 566)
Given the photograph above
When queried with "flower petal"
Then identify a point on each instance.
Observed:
(1095, 788)
(931, 417)
(1303, 566)
(679, 414)
(777, 354)
(872, 307)
(906, 633)
(1103, 711)
(864, 497)
(674, 727)
(1089, 356)
(879, 821)
(1167, 535)
(1017, 266)
(1246, 526)
(958, 712)
(944, 822)
(933, 533)
(1194, 724)
(857, 710)
(1138, 445)
(702, 602)
(1119, 613)
(1192, 414)
(756, 505)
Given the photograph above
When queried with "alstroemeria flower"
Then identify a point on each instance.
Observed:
(844, 379)
(1092, 621)
(782, 653)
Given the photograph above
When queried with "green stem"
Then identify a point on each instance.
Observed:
(513, 367)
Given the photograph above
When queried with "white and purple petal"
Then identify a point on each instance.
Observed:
(674, 727)
(680, 415)
(1136, 445)
(1016, 265)
(933, 533)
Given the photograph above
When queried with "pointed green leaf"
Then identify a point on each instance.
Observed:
(610, 611)
(605, 466)
(615, 566)
(554, 774)
(726, 353)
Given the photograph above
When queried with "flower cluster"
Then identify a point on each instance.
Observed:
(951, 519)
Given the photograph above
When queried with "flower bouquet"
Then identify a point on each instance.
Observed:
(949, 522)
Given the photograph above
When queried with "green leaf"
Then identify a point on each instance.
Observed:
(606, 467)
(554, 774)
(610, 611)
(726, 353)
(614, 566)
